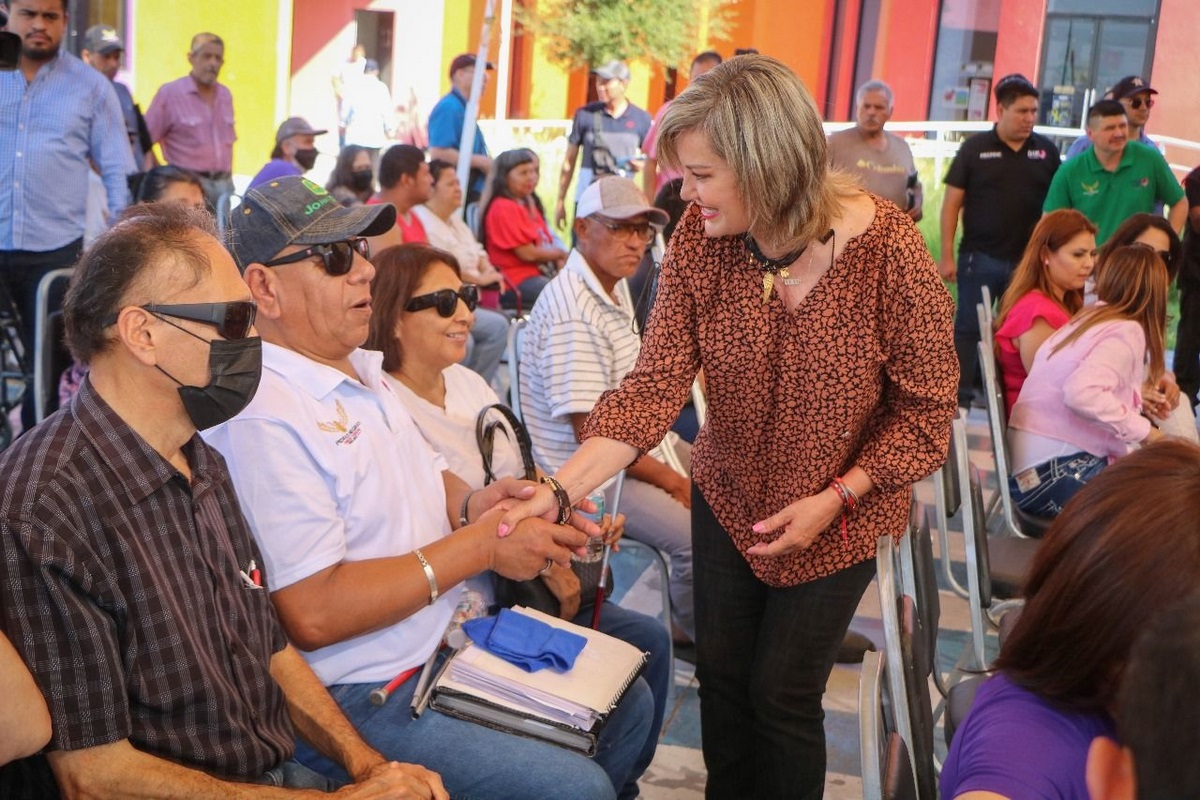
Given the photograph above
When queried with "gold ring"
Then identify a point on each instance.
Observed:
(545, 569)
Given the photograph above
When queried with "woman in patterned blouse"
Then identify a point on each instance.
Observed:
(826, 340)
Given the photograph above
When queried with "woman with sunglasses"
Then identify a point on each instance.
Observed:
(422, 312)
(826, 339)
(1046, 288)
(1080, 407)
(1160, 399)
(515, 234)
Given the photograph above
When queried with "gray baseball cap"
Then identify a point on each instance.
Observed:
(294, 210)
(102, 39)
(293, 126)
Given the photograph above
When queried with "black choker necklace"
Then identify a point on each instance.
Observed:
(765, 263)
(773, 266)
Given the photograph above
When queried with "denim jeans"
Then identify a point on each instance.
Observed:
(489, 336)
(975, 270)
(763, 657)
(526, 294)
(477, 762)
(1058, 481)
(294, 775)
(650, 636)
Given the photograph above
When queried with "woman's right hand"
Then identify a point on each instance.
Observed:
(543, 503)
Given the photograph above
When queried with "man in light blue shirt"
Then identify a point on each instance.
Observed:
(446, 122)
(57, 117)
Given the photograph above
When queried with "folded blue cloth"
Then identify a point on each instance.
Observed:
(525, 642)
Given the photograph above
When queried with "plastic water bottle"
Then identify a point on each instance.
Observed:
(470, 606)
(595, 544)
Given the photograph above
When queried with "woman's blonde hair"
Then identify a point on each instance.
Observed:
(758, 117)
(1133, 285)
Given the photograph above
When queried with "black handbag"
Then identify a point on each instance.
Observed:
(532, 593)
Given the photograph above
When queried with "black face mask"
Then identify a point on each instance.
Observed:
(361, 179)
(234, 369)
(306, 158)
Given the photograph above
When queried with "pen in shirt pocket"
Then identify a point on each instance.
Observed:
(251, 576)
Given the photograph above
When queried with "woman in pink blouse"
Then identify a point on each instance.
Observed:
(826, 339)
(515, 234)
(1045, 290)
(1081, 406)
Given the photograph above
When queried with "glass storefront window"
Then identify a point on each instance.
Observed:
(963, 64)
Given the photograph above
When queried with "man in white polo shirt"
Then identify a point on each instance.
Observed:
(579, 342)
(353, 511)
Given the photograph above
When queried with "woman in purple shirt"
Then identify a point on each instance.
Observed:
(1121, 553)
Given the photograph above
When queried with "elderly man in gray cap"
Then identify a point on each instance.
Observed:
(294, 154)
(611, 131)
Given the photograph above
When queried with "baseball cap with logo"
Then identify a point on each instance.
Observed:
(102, 39)
(617, 198)
(294, 210)
(294, 126)
(613, 69)
(1129, 86)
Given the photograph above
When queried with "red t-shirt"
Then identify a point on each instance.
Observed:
(1020, 319)
(412, 232)
(509, 225)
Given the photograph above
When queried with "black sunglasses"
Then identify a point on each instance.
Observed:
(233, 320)
(446, 300)
(337, 257)
(1136, 103)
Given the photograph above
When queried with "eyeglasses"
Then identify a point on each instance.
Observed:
(233, 320)
(1165, 255)
(639, 231)
(1136, 102)
(336, 257)
(446, 300)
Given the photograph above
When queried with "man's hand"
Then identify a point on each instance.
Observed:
(563, 583)
(523, 554)
(395, 780)
(802, 522)
(679, 488)
(560, 214)
(948, 267)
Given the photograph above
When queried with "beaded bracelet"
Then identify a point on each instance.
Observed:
(560, 494)
(849, 501)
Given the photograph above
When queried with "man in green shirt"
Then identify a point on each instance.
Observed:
(1116, 178)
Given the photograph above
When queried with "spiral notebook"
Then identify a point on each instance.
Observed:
(565, 708)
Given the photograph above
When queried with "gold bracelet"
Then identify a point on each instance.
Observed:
(429, 576)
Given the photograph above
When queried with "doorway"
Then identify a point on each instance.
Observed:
(375, 31)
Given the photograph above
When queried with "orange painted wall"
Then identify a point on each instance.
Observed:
(905, 53)
(1019, 41)
(1176, 65)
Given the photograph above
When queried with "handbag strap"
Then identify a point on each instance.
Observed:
(485, 435)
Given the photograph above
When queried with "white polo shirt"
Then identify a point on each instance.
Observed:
(327, 470)
(578, 343)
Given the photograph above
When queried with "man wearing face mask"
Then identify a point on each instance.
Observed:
(294, 154)
(133, 588)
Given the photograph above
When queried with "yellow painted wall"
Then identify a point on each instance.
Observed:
(163, 29)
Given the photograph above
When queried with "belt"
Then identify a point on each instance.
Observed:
(214, 176)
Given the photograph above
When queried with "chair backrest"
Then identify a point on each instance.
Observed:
(513, 356)
(898, 783)
(924, 571)
(989, 313)
(871, 733)
(894, 670)
(975, 543)
(50, 355)
(917, 669)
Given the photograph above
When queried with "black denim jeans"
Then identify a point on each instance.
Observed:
(763, 656)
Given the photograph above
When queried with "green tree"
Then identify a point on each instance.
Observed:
(587, 33)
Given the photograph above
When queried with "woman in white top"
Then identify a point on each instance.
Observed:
(421, 315)
(446, 230)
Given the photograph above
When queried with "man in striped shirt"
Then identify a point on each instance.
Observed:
(579, 343)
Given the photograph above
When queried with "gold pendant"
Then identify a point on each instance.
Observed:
(768, 282)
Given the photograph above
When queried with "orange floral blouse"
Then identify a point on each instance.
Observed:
(863, 372)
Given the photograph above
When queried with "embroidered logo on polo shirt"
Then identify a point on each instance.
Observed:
(1090, 189)
(1038, 155)
(342, 425)
(1144, 182)
(990, 154)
